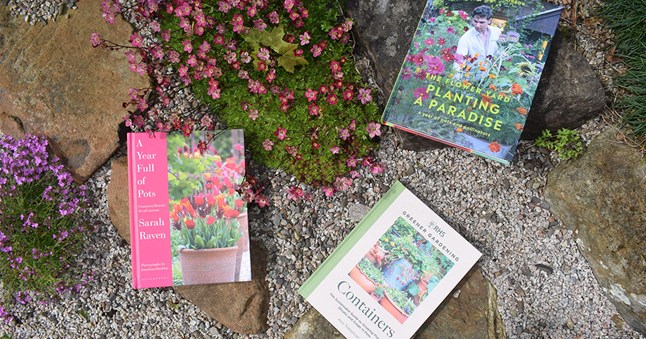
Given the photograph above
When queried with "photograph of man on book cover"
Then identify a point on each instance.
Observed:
(471, 72)
(401, 269)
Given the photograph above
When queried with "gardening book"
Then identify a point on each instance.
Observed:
(471, 73)
(392, 271)
(188, 223)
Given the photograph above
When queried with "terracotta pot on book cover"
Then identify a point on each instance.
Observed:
(364, 282)
(243, 242)
(208, 266)
(389, 306)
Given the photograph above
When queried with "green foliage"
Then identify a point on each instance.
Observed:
(40, 229)
(566, 143)
(371, 271)
(627, 19)
(401, 299)
(305, 151)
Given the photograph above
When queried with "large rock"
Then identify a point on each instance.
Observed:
(384, 31)
(241, 306)
(312, 325)
(53, 82)
(569, 92)
(473, 313)
(118, 197)
(602, 195)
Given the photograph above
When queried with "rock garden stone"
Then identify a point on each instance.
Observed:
(53, 82)
(602, 197)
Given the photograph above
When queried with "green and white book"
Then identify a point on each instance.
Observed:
(392, 271)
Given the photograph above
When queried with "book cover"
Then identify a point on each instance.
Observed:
(391, 271)
(188, 223)
(471, 73)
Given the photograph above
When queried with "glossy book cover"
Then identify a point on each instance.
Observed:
(392, 271)
(188, 223)
(470, 75)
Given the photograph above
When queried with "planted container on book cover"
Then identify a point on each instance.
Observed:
(362, 280)
(208, 266)
(207, 251)
(391, 303)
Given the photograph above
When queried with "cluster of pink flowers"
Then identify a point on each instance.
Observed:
(212, 47)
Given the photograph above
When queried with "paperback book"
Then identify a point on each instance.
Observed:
(471, 72)
(392, 271)
(188, 224)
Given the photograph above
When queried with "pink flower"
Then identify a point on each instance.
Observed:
(289, 4)
(328, 190)
(316, 50)
(95, 39)
(332, 99)
(420, 92)
(259, 24)
(374, 129)
(263, 54)
(165, 34)
(429, 41)
(335, 149)
(435, 66)
(310, 95)
(262, 201)
(364, 95)
(347, 94)
(274, 18)
(214, 90)
(295, 193)
(335, 66)
(136, 40)
(376, 168)
(351, 162)
(441, 41)
(314, 110)
(188, 48)
(342, 183)
(344, 134)
(253, 114)
(268, 145)
(280, 133)
(305, 38)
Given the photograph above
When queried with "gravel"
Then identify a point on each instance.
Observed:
(545, 286)
(39, 11)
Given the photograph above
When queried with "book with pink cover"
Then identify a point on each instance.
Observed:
(188, 223)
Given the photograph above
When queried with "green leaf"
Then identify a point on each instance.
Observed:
(289, 62)
(274, 40)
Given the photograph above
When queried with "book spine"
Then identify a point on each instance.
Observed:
(131, 140)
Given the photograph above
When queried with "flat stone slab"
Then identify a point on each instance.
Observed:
(53, 83)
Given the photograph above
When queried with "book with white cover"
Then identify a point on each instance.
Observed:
(392, 271)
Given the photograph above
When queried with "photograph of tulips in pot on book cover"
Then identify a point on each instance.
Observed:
(209, 233)
(401, 269)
